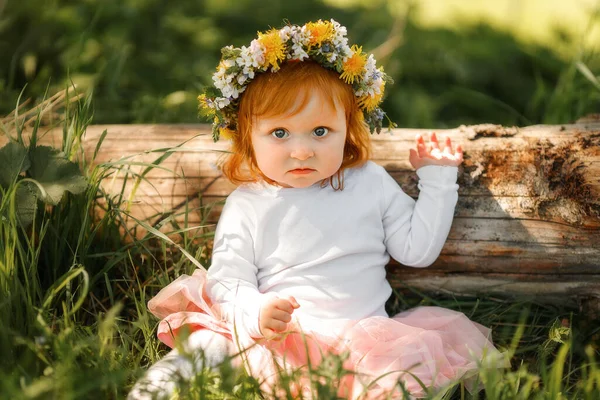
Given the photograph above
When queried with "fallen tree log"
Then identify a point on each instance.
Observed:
(527, 221)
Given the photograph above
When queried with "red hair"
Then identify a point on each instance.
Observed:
(274, 94)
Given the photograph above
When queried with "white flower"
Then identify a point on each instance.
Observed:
(210, 103)
(340, 29)
(300, 38)
(345, 50)
(247, 58)
(220, 83)
(370, 65)
(370, 91)
(221, 78)
(378, 83)
(222, 102)
(285, 33)
(298, 52)
(257, 52)
(339, 38)
(230, 91)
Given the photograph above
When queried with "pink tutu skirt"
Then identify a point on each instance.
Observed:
(418, 350)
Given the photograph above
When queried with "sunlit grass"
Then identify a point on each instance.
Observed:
(531, 21)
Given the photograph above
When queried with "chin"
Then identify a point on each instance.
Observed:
(300, 185)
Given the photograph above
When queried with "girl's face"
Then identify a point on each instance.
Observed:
(302, 149)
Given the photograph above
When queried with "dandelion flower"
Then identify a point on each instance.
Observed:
(226, 133)
(320, 32)
(354, 65)
(369, 102)
(273, 48)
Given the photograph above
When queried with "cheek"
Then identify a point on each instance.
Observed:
(341, 145)
(335, 154)
(340, 157)
(258, 154)
(264, 154)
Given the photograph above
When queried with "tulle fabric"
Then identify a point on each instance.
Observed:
(425, 347)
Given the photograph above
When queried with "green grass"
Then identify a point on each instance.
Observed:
(74, 286)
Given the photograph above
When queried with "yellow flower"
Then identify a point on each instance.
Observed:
(202, 101)
(206, 109)
(354, 66)
(226, 133)
(368, 102)
(273, 47)
(320, 31)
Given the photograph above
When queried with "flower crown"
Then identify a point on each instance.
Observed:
(324, 42)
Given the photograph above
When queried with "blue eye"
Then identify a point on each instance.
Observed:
(321, 131)
(279, 133)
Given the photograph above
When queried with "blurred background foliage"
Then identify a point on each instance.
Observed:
(454, 62)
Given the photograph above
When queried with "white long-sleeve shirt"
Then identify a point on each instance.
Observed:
(326, 248)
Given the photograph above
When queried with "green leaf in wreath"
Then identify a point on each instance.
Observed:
(14, 160)
(55, 174)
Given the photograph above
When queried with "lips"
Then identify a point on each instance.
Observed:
(301, 171)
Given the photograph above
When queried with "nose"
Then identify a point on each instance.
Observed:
(301, 150)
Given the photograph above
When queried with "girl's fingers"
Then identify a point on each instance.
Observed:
(267, 333)
(448, 155)
(448, 146)
(276, 326)
(292, 301)
(422, 150)
(284, 305)
(433, 140)
(413, 157)
(281, 316)
(459, 154)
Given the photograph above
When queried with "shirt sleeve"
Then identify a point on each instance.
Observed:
(232, 277)
(415, 231)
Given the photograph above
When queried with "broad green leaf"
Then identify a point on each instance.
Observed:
(26, 202)
(13, 161)
(55, 174)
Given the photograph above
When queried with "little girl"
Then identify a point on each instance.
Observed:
(298, 266)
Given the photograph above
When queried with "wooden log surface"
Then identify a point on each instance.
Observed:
(527, 220)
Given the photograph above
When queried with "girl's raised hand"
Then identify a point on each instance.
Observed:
(275, 314)
(434, 154)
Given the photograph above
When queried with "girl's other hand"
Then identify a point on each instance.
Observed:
(434, 154)
(275, 314)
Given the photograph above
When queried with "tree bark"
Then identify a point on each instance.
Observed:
(527, 221)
